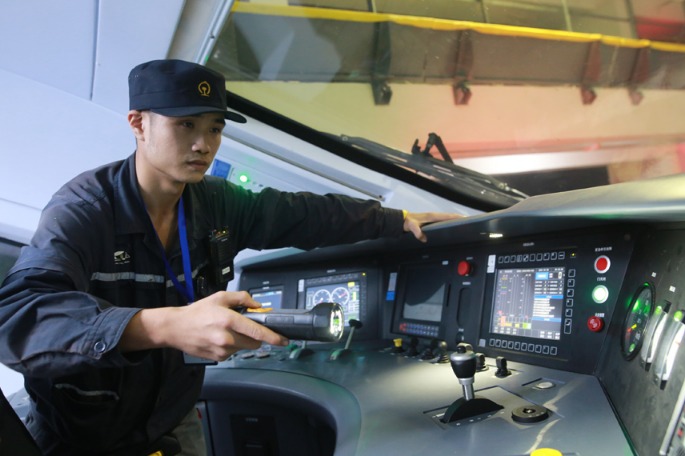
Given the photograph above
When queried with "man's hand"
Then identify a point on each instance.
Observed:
(208, 328)
(414, 221)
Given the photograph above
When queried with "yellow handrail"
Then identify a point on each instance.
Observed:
(450, 25)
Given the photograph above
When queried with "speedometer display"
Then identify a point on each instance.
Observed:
(640, 310)
(321, 295)
(341, 295)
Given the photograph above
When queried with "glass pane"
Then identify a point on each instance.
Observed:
(607, 26)
(463, 10)
(618, 9)
(544, 110)
(526, 14)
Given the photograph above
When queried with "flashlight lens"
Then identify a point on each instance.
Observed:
(337, 325)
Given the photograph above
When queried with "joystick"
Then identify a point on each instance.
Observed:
(480, 363)
(427, 353)
(464, 367)
(397, 346)
(413, 349)
(502, 369)
(301, 352)
(354, 324)
(463, 347)
(442, 357)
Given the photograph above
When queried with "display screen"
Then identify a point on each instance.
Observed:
(345, 290)
(529, 302)
(268, 297)
(424, 294)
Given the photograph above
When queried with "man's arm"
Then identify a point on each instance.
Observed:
(208, 328)
(273, 219)
(413, 221)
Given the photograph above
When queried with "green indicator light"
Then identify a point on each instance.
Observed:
(244, 178)
(600, 294)
(678, 316)
(637, 306)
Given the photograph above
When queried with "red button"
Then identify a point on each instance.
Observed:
(464, 268)
(595, 324)
(602, 264)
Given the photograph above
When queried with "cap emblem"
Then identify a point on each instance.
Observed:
(204, 88)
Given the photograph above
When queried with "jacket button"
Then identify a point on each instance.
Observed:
(99, 346)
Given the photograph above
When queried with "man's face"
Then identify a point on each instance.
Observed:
(179, 149)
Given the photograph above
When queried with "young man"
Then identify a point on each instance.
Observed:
(100, 308)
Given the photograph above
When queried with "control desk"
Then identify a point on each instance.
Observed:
(556, 323)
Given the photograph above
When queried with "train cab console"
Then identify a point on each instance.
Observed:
(555, 324)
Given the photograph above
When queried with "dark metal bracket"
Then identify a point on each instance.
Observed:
(639, 75)
(381, 58)
(591, 74)
(463, 68)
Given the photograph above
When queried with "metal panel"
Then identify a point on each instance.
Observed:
(50, 42)
(125, 39)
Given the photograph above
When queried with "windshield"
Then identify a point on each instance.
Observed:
(501, 98)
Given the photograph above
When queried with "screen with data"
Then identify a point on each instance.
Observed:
(268, 297)
(348, 290)
(528, 302)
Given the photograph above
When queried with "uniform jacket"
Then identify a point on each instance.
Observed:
(95, 261)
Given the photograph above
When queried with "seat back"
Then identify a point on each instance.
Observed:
(15, 439)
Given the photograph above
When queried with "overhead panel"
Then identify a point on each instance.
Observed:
(324, 44)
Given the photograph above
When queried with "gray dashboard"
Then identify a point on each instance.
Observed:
(596, 254)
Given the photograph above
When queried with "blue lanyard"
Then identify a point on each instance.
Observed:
(186, 291)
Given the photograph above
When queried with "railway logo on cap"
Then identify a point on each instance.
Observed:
(204, 88)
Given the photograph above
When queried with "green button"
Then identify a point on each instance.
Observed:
(600, 294)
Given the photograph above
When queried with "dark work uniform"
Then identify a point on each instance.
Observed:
(95, 261)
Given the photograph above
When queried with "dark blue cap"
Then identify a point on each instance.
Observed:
(176, 88)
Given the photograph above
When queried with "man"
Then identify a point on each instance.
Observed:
(116, 285)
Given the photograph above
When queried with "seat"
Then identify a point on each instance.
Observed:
(15, 439)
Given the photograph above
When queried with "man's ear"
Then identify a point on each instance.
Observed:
(135, 121)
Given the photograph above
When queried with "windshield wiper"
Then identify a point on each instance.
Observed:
(435, 140)
(446, 172)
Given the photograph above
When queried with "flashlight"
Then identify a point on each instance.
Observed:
(325, 322)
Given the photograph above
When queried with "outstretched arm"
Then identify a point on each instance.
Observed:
(208, 328)
(413, 221)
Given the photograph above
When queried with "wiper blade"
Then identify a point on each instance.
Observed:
(447, 173)
(435, 140)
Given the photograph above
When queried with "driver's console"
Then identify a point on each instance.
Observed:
(510, 333)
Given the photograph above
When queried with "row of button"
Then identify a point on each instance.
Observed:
(418, 329)
(529, 257)
(333, 279)
(570, 292)
(523, 346)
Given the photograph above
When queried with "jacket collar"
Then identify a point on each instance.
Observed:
(129, 210)
(130, 213)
